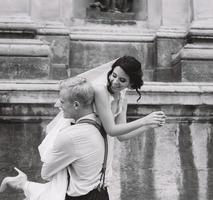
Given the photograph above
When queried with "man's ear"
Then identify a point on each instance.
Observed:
(76, 105)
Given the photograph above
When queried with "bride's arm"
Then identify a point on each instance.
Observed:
(106, 116)
(121, 118)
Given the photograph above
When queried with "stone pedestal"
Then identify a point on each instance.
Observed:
(194, 63)
(96, 44)
(24, 59)
(56, 35)
(171, 37)
(201, 31)
(53, 36)
(17, 27)
(169, 42)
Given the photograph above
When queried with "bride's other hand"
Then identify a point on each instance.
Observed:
(155, 119)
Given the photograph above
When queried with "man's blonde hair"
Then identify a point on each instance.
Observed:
(79, 89)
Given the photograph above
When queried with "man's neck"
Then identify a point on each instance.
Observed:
(84, 113)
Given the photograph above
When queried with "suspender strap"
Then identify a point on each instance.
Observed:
(103, 133)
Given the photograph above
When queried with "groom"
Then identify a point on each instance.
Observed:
(79, 148)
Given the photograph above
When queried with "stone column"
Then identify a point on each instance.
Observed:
(50, 17)
(194, 61)
(45, 10)
(176, 13)
(176, 16)
(15, 8)
(154, 9)
(202, 26)
(203, 9)
(66, 11)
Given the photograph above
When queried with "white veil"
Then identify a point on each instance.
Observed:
(98, 75)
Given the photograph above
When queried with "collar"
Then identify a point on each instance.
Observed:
(89, 116)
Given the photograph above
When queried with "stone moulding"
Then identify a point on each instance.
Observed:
(33, 101)
(202, 29)
(172, 32)
(159, 93)
(24, 59)
(194, 63)
(112, 37)
(28, 91)
(99, 33)
(23, 47)
(153, 93)
(194, 52)
(22, 27)
(53, 28)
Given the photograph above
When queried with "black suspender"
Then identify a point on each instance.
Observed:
(104, 134)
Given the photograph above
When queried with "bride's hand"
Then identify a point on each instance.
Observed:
(155, 119)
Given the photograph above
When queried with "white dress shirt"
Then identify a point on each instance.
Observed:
(81, 148)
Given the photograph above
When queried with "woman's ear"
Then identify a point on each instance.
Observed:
(76, 105)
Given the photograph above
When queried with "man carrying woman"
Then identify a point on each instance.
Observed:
(68, 151)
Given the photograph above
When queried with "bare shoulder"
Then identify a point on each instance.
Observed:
(100, 90)
(99, 87)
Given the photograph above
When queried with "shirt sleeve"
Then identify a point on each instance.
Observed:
(60, 156)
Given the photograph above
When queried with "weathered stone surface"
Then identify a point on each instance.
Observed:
(90, 50)
(45, 11)
(169, 42)
(29, 91)
(201, 30)
(23, 47)
(18, 147)
(194, 71)
(59, 46)
(170, 163)
(59, 72)
(56, 35)
(86, 55)
(24, 59)
(24, 67)
(164, 74)
(17, 27)
(187, 93)
(194, 63)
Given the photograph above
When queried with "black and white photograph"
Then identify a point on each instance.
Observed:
(106, 100)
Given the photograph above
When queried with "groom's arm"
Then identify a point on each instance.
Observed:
(60, 156)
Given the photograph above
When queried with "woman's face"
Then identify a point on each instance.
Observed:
(119, 79)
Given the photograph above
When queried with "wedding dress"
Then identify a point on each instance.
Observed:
(57, 186)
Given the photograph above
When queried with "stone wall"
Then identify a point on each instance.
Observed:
(170, 162)
(100, 44)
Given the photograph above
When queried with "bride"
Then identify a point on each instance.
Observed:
(110, 93)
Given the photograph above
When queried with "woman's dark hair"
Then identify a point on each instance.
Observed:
(132, 68)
